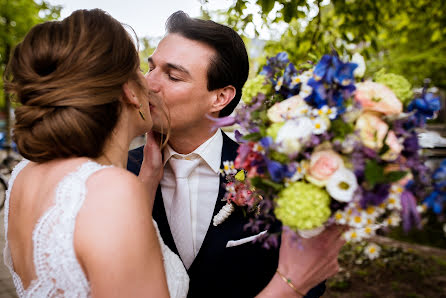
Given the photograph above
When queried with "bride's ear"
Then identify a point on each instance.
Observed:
(129, 94)
(222, 98)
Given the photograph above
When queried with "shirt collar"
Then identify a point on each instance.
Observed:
(209, 151)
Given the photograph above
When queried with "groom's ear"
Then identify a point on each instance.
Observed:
(223, 96)
(129, 94)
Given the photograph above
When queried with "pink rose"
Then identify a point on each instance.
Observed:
(395, 147)
(372, 130)
(378, 98)
(323, 164)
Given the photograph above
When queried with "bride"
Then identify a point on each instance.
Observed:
(77, 224)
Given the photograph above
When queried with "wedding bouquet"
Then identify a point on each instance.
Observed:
(319, 145)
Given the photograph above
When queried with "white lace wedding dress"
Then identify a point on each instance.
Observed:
(58, 272)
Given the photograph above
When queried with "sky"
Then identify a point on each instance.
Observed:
(146, 17)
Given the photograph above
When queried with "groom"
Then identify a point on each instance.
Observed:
(199, 69)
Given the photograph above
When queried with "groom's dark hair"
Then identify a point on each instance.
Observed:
(230, 66)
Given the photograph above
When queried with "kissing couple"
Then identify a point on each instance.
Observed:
(79, 224)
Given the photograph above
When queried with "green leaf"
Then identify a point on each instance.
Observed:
(255, 136)
(280, 157)
(394, 176)
(341, 129)
(374, 173)
(265, 184)
(267, 5)
(289, 11)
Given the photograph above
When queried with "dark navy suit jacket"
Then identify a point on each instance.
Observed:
(239, 271)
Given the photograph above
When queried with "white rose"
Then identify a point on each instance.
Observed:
(293, 134)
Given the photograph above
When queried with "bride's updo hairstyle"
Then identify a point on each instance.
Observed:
(67, 77)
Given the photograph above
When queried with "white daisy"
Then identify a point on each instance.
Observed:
(393, 220)
(305, 90)
(331, 113)
(421, 208)
(358, 220)
(393, 202)
(228, 168)
(342, 185)
(302, 111)
(368, 231)
(295, 80)
(340, 217)
(320, 126)
(371, 212)
(396, 189)
(258, 148)
(352, 235)
(372, 251)
(319, 112)
(279, 84)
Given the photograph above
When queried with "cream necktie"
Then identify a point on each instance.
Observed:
(180, 214)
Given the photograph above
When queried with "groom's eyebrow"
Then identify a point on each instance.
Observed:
(171, 66)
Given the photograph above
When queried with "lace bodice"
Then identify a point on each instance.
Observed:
(58, 272)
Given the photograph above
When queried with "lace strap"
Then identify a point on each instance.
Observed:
(17, 169)
(72, 189)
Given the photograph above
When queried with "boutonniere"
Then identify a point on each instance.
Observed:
(238, 192)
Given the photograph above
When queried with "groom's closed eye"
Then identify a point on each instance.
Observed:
(175, 72)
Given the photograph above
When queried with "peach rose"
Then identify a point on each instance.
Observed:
(323, 164)
(285, 108)
(395, 167)
(378, 98)
(395, 147)
(372, 130)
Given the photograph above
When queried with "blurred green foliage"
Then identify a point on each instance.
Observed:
(16, 18)
(147, 46)
(405, 37)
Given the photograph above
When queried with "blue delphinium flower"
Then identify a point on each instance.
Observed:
(425, 107)
(274, 64)
(332, 83)
(437, 198)
(278, 171)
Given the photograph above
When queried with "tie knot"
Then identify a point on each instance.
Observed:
(183, 167)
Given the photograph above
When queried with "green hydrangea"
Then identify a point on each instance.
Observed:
(273, 130)
(399, 85)
(253, 87)
(303, 206)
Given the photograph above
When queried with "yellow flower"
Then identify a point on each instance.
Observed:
(240, 176)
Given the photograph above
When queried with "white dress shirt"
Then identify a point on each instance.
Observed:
(204, 183)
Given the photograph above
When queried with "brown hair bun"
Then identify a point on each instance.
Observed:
(68, 76)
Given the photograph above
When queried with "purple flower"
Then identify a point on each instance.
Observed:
(375, 196)
(221, 122)
(411, 217)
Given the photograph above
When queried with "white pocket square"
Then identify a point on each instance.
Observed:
(232, 243)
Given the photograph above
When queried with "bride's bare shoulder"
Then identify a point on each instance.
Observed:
(115, 185)
(115, 198)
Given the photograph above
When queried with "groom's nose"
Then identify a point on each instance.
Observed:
(153, 83)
